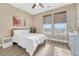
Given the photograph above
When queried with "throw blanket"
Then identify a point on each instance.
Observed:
(37, 38)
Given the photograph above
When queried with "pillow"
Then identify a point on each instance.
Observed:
(25, 31)
(20, 32)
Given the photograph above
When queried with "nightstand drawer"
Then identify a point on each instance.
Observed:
(7, 42)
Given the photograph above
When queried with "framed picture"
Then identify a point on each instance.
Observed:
(19, 21)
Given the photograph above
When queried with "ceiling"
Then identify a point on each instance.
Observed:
(27, 7)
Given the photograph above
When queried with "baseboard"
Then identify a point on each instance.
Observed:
(59, 40)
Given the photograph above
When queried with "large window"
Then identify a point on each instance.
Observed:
(47, 23)
(60, 23)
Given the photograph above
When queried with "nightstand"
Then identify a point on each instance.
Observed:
(7, 42)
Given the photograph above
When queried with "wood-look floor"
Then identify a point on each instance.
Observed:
(50, 48)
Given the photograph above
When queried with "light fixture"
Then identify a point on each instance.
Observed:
(37, 4)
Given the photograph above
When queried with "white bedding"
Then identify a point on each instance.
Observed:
(29, 41)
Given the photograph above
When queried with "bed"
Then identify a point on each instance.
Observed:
(26, 40)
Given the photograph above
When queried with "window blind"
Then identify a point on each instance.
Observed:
(47, 19)
(60, 17)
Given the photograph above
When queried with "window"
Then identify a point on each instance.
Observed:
(60, 28)
(47, 23)
(60, 23)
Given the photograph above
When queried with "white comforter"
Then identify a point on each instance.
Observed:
(29, 41)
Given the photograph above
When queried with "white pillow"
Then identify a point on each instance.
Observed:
(25, 31)
(20, 32)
